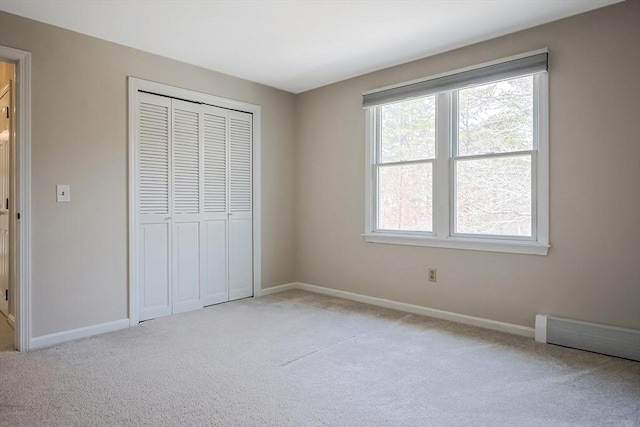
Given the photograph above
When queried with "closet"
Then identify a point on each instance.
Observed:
(194, 205)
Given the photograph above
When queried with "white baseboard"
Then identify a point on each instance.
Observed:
(11, 319)
(74, 334)
(276, 289)
(60, 337)
(411, 308)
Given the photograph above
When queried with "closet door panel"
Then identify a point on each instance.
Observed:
(154, 270)
(216, 131)
(215, 286)
(154, 160)
(186, 158)
(154, 197)
(215, 160)
(186, 254)
(187, 206)
(240, 212)
(240, 259)
(240, 164)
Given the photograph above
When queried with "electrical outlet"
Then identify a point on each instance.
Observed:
(433, 275)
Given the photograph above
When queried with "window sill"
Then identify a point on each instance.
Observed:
(506, 246)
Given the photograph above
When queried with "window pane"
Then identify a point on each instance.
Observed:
(405, 197)
(493, 196)
(408, 130)
(496, 118)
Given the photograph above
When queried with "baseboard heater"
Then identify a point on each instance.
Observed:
(610, 340)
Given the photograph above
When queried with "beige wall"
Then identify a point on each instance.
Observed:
(592, 271)
(80, 138)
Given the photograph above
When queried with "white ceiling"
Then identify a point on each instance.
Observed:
(297, 45)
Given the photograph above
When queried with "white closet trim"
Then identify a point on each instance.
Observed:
(136, 86)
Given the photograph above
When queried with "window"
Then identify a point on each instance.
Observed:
(461, 160)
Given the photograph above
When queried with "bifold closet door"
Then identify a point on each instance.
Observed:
(154, 205)
(171, 232)
(228, 205)
(195, 205)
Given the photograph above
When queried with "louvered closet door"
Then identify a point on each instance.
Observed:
(195, 205)
(188, 251)
(216, 130)
(240, 209)
(153, 169)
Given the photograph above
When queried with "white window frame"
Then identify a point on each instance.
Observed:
(443, 235)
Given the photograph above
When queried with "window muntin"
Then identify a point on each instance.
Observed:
(511, 123)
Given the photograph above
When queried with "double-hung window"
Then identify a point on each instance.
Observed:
(460, 160)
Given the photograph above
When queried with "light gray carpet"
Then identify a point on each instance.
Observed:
(301, 359)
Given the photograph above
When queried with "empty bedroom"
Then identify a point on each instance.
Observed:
(320, 213)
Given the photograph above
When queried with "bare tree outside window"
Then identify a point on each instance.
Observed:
(493, 193)
(405, 175)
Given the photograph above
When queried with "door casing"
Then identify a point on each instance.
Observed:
(22, 195)
(6, 181)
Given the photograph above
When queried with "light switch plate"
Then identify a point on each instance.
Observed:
(63, 193)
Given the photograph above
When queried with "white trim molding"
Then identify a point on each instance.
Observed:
(408, 308)
(22, 297)
(74, 334)
(280, 288)
(494, 245)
